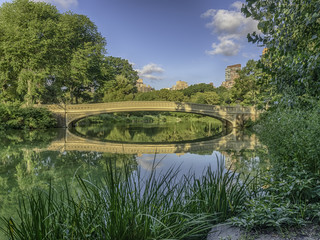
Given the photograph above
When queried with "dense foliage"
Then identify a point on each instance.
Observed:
(197, 93)
(15, 116)
(252, 87)
(290, 195)
(52, 57)
(290, 32)
(119, 89)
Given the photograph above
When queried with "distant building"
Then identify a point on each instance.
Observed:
(231, 74)
(143, 87)
(180, 85)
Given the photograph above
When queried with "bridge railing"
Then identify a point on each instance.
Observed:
(74, 112)
(143, 104)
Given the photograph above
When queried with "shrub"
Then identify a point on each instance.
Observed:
(291, 192)
(15, 116)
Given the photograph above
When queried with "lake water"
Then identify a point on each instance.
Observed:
(32, 159)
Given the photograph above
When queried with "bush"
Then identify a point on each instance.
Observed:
(292, 136)
(290, 192)
(17, 117)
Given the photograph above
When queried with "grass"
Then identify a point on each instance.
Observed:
(131, 206)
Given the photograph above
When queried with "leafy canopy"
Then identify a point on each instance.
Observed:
(49, 57)
(290, 30)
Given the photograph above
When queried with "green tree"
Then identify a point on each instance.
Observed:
(117, 66)
(224, 95)
(145, 96)
(46, 56)
(211, 98)
(290, 30)
(168, 95)
(82, 57)
(161, 95)
(201, 87)
(28, 48)
(84, 66)
(120, 89)
(111, 67)
(252, 86)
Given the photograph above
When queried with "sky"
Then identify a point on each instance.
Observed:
(171, 40)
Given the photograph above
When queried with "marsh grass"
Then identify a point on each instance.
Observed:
(126, 205)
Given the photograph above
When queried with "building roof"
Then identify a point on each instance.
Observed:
(234, 66)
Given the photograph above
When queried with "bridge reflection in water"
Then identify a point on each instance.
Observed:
(235, 141)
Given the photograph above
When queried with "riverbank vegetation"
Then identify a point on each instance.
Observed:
(17, 117)
(131, 206)
(290, 193)
(27, 163)
(290, 127)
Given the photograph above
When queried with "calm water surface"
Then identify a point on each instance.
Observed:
(31, 159)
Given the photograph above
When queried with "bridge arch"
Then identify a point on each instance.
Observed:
(77, 118)
(234, 116)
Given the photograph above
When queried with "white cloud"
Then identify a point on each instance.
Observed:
(237, 5)
(231, 28)
(151, 68)
(151, 71)
(226, 47)
(63, 3)
(150, 76)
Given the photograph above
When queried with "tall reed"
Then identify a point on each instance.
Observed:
(126, 205)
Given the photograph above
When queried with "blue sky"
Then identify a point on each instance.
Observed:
(171, 40)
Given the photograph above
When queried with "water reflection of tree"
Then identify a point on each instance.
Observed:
(247, 161)
(25, 165)
(150, 132)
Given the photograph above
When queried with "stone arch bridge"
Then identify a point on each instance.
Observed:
(231, 116)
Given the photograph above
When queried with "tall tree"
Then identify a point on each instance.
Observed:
(290, 30)
(82, 56)
(28, 48)
(46, 56)
(112, 67)
(120, 89)
(252, 86)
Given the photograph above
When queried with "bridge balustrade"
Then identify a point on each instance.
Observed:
(70, 113)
